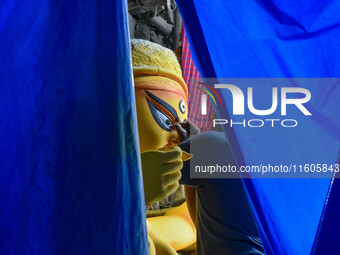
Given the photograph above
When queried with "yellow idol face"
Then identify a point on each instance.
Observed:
(160, 103)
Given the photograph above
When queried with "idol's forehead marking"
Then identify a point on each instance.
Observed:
(169, 82)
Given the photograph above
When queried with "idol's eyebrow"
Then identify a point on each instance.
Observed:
(163, 103)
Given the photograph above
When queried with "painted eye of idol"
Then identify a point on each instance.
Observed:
(163, 113)
(162, 120)
(182, 106)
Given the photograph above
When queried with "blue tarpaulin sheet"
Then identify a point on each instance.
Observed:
(279, 39)
(70, 181)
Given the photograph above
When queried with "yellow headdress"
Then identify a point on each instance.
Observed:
(151, 59)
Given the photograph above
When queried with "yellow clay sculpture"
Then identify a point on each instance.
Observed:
(161, 99)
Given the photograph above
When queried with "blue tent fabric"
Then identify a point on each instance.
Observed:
(70, 179)
(277, 39)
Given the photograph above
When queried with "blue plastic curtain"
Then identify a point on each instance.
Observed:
(278, 39)
(70, 181)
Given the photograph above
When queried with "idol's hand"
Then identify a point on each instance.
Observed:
(161, 173)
